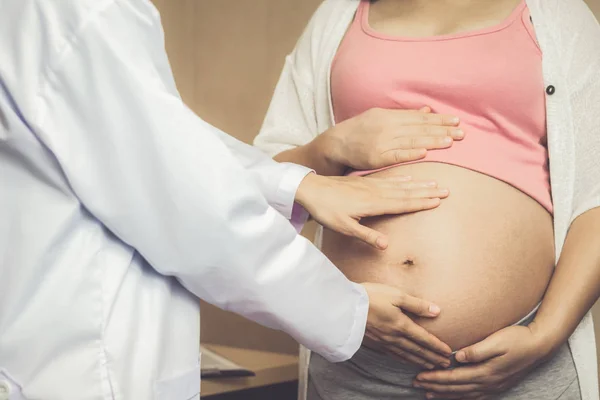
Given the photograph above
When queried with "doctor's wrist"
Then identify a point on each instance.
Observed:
(308, 190)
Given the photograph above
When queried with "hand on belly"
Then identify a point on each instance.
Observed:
(485, 256)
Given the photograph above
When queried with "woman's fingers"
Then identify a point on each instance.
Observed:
(404, 138)
(395, 156)
(414, 142)
(417, 142)
(461, 396)
(436, 391)
(401, 118)
(412, 148)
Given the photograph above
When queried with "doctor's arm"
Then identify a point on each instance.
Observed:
(278, 182)
(160, 179)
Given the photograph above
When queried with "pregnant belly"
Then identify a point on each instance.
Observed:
(485, 256)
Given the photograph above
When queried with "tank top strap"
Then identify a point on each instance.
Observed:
(529, 27)
(361, 13)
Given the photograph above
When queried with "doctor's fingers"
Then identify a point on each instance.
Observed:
(408, 329)
(353, 228)
(393, 325)
(375, 343)
(397, 182)
(402, 204)
(405, 347)
(412, 190)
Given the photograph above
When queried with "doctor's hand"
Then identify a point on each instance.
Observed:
(390, 330)
(379, 138)
(339, 203)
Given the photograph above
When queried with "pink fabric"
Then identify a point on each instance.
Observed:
(490, 78)
(299, 217)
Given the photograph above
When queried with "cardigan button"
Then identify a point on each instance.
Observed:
(550, 90)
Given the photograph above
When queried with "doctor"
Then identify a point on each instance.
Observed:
(120, 207)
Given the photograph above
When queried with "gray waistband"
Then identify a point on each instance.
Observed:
(526, 320)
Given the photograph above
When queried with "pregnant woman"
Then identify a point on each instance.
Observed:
(512, 256)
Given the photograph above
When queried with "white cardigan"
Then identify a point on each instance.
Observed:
(569, 37)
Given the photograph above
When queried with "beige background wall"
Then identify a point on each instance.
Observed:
(226, 56)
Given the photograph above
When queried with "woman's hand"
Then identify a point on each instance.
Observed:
(390, 330)
(491, 366)
(379, 138)
(339, 203)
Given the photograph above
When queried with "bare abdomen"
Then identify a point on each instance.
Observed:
(485, 256)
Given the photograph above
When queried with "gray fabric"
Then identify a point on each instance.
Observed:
(373, 376)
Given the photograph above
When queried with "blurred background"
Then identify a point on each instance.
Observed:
(227, 56)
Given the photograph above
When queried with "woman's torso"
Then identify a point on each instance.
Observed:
(485, 256)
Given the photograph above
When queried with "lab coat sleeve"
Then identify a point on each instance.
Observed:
(278, 181)
(162, 181)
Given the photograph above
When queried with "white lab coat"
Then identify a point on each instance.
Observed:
(118, 206)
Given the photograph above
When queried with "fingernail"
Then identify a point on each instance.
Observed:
(444, 192)
(429, 366)
(448, 140)
(455, 120)
(431, 184)
(380, 242)
(433, 309)
(445, 365)
(434, 202)
(460, 356)
(459, 133)
(422, 152)
(416, 384)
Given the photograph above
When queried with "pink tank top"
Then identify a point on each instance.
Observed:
(490, 78)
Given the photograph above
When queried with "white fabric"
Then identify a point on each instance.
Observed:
(569, 36)
(119, 206)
